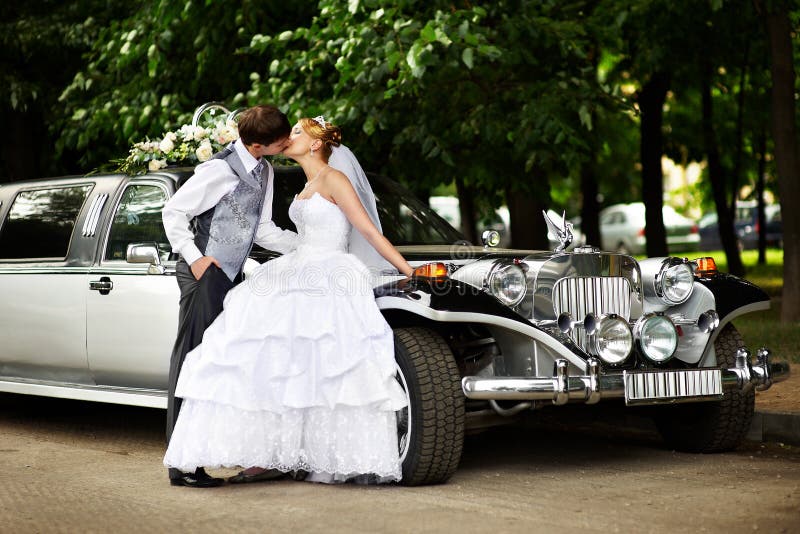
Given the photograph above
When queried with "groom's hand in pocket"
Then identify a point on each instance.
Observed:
(201, 264)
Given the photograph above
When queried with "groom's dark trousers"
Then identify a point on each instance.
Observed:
(201, 302)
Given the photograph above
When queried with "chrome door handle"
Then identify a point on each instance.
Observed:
(104, 285)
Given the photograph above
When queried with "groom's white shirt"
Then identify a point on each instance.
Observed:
(211, 181)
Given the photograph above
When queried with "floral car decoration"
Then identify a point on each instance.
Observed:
(187, 146)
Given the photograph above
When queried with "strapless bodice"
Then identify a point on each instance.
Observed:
(320, 223)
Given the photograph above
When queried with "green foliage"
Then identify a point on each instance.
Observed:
(39, 42)
(433, 90)
(491, 93)
(146, 73)
(735, 46)
(41, 48)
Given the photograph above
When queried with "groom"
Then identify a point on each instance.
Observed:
(213, 221)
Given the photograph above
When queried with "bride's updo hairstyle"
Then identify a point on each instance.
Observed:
(329, 134)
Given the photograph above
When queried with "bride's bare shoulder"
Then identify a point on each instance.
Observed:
(337, 182)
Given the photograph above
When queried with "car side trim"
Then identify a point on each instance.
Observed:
(148, 398)
(61, 269)
(122, 268)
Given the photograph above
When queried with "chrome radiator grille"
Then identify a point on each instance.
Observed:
(598, 295)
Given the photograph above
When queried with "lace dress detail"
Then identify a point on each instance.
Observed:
(298, 371)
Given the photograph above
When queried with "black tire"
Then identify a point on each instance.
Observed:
(431, 446)
(711, 426)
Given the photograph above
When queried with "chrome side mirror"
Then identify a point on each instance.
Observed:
(145, 253)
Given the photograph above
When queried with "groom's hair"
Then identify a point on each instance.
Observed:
(263, 124)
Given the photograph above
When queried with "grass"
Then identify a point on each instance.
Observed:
(764, 329)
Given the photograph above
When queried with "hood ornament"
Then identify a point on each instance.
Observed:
(560, 229)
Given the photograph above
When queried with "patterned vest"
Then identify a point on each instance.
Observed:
(227, 230)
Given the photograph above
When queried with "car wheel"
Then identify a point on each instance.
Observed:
(710, 426)
(431, 428)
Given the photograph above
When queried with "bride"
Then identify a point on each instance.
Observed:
(298, 373)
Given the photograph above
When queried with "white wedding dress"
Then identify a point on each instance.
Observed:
(298, 371)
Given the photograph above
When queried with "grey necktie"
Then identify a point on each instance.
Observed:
(256, 172)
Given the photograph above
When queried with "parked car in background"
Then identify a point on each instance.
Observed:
(774, 227)
(745, 225)
(622, 229)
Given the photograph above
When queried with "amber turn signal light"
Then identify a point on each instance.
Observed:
(706, 266)
(431, 270)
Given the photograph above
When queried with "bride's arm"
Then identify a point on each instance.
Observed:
(342, 192)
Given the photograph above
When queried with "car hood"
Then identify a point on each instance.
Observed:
(459, 252)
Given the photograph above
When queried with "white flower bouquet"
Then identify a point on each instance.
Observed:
(189, 145)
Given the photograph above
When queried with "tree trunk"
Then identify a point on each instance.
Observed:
(651, 103)
(590, 209)
(466, 207)
(787, 155)
(21, 140)
(525, 206)
(760, 181)
(737, 160)
(717, 176)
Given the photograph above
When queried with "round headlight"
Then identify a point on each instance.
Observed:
(613, 340)
(657, 337)
(675, 282)
(507, 283)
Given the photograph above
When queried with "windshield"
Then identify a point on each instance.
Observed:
(405, 220)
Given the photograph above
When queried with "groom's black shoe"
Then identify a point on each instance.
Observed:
(198, 479)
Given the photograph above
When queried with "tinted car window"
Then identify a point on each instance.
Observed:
(404, 219)
(138, 220)
(40, 222)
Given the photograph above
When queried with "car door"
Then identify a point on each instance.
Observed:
(42, 330)
(132, 311)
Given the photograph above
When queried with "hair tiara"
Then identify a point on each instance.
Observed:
(319, 119)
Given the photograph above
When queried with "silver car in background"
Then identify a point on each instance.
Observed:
(622, 229)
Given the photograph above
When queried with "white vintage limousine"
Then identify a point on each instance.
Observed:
(80, 320)
(90, 304)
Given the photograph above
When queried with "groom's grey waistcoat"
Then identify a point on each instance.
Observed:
(227, 230)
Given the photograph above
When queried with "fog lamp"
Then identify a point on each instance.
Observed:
(490, 238)
(613, 339)
(657, 337)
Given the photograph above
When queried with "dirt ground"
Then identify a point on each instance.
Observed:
(781, 397)
(69, 466)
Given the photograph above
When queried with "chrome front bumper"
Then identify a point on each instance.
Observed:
(657, 386)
